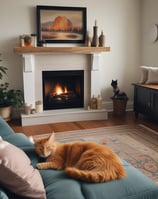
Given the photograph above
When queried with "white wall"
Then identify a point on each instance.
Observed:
(120, 21)
(149, 17)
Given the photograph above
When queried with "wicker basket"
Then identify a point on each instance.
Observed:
(119, 106)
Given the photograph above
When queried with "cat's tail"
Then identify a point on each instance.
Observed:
(95, 176)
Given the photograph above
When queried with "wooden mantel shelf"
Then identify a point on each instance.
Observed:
(77, 50)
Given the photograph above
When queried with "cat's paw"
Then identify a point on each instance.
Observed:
(39, 166)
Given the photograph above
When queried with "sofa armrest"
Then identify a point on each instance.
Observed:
(5, 129)
(19, 139)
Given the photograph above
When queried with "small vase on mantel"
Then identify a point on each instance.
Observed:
(102, 39)
(95, 42)
(88, 40)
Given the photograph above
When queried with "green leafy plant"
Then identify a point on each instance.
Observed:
(8, 97)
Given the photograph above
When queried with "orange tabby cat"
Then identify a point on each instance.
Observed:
(86, 161)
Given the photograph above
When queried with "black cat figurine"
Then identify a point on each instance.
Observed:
(117, 92)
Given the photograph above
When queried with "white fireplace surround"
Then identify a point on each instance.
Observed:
(35, 63)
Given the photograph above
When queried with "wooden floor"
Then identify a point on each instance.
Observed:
(129, 118)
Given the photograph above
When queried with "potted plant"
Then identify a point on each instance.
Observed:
(8, 97)
(27, 40)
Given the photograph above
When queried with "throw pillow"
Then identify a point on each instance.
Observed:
(17, 174)
(152, 75)
(143, 74)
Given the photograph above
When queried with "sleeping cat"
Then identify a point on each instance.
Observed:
(86, 161)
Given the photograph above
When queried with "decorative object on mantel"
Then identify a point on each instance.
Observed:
(25, 40)
(88, 39)
(102, 39)
(34, 39)
(119, 99)
(21, 41)
(95, 41)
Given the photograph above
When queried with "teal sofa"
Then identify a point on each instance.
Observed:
(59, 186)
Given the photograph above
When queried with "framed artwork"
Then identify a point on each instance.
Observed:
(56, 24)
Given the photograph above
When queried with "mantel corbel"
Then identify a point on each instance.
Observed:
(28, 62)
(29, 78)
(95, 61)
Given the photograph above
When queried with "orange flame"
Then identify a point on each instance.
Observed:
(58, 90)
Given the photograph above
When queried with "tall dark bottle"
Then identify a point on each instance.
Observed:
(95, 42)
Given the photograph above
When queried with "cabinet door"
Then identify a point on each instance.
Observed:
(142, 101)
(154, 104)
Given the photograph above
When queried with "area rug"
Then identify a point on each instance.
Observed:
(136, 144)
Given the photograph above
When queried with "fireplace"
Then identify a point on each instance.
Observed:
(63, 89)
(40, 60)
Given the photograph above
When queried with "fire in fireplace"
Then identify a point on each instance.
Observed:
(63, 89)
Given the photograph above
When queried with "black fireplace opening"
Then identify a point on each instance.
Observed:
(63, 89)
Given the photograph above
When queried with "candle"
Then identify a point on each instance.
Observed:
(95, 22)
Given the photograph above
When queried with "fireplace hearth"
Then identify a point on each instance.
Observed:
(63, 89)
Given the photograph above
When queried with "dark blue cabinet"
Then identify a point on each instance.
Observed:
(146, 100)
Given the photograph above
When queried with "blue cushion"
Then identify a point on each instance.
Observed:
(59, 186)
(19, 140)
(135, 186)
(5, 129)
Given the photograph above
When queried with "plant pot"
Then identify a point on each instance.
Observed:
(5, 113)
(119, 106)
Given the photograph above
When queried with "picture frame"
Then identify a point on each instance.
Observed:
(57, 24)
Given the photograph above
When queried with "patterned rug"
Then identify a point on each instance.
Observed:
(136, 144)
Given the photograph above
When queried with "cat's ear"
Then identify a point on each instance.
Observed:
(51, 137)
(31, 139)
